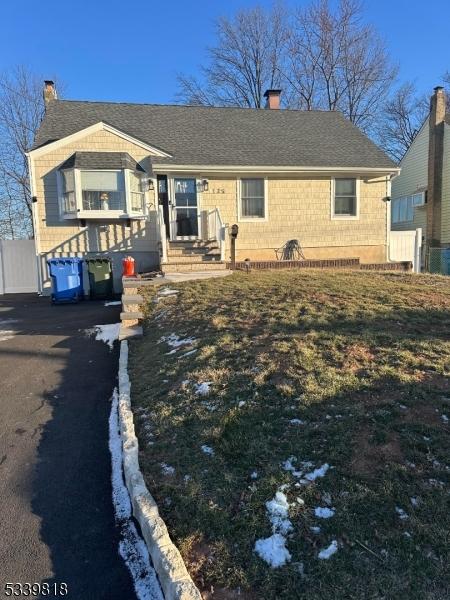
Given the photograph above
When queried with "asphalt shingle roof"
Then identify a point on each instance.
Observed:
(197, 135)
(101, 160)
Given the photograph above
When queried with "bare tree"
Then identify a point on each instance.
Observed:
(245, 61)
(21, 111)
(401, 119)
(336, 62)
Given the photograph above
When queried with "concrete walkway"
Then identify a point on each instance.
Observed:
(56, 518)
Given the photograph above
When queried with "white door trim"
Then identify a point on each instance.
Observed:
(173, 212)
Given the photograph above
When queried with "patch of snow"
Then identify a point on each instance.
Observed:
(324, 512)
(278, 511)
(185, 382)
(6, 335)
(202, 389)
(315, 529)
(254, 475)
(241, 403)
(444, 418)
(327, 552)
(168, 292)
(407, 534)
(401, 513)
(403, 407)
(273, 550)
(174, 341)
(105, 333)
(296, 422)
(132, 547)
(113, 303)
(167, 469)
(301, 501)
(188, 353)
(320, 472)
(410, 464)
(186, 478)
(207, 450)
(426, 438)
(415, 501)
(171, 351)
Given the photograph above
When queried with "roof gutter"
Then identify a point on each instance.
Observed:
(369, 171)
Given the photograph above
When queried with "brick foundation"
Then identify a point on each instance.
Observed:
(337, 263)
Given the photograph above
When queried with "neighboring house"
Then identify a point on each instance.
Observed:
(165, 183)
(421, 193)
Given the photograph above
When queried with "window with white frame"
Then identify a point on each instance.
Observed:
(103, 190)
(253, 199)
(403, 207)
(91, 193)
(345, 198)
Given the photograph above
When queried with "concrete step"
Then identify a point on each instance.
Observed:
(132, 299)
(194, 258)
(182, 251)
(187, 267)
(128, 333)
(131, 316)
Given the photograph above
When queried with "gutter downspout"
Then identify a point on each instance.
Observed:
(34, 212)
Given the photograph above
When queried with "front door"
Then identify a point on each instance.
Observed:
(184, 208)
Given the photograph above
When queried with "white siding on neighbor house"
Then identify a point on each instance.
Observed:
(445, 223)
(413, 178)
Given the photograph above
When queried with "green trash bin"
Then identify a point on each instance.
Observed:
(100, 278)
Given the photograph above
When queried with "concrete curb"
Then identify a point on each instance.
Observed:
(169, 566)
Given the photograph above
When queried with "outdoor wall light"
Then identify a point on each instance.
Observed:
(205, 185)
(151, 185)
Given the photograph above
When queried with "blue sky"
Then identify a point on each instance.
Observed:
(132, 51)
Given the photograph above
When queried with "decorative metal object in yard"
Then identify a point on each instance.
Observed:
(291, 250)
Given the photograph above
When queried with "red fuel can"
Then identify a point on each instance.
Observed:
(128, 267)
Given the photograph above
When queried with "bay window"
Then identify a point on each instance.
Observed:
(101, 185)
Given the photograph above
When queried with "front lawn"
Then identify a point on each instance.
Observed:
(294, 432)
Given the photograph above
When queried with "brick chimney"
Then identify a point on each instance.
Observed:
(272, 99)
(435, 166)
(49, 92)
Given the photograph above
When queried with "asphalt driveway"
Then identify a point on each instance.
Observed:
(56, 517)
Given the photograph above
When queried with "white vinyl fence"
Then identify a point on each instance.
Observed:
(407, 245)
(18, 267)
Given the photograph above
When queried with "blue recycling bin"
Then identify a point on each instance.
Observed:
(67, 279)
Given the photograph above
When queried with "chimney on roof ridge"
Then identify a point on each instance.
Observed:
(272, 99)
(49, 92)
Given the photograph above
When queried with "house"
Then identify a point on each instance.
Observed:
(421, 193)
(165, 183)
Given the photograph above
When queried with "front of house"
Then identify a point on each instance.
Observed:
(165, 183)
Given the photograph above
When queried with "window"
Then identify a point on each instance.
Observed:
(69, 204)
(403, 207)
(103, 190)
(345, 201)
(137, 194)
(253, 200)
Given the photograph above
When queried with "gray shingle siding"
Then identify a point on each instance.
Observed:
(197, 135)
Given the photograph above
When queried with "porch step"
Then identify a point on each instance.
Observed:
(196, 258)
(193, 265)
(131, 316)
(127, 333)
(131, 299)
(192, 243)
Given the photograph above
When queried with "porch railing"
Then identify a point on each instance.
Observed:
(216, 230)
(161, 233)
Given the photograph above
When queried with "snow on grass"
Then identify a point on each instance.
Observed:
(444, 418)
(273, 549)
(113, 303)
(203, 389)
(315, 529)
(132, 548)
(167, 469)
(174, 341)
(108, 333)
(327, 552)
(278, 511)
(6, 335)
(296, 422)
(254, 475)
(401, 513)
(324, 512)
(207, 450)
(168, 292)
(320, 472)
